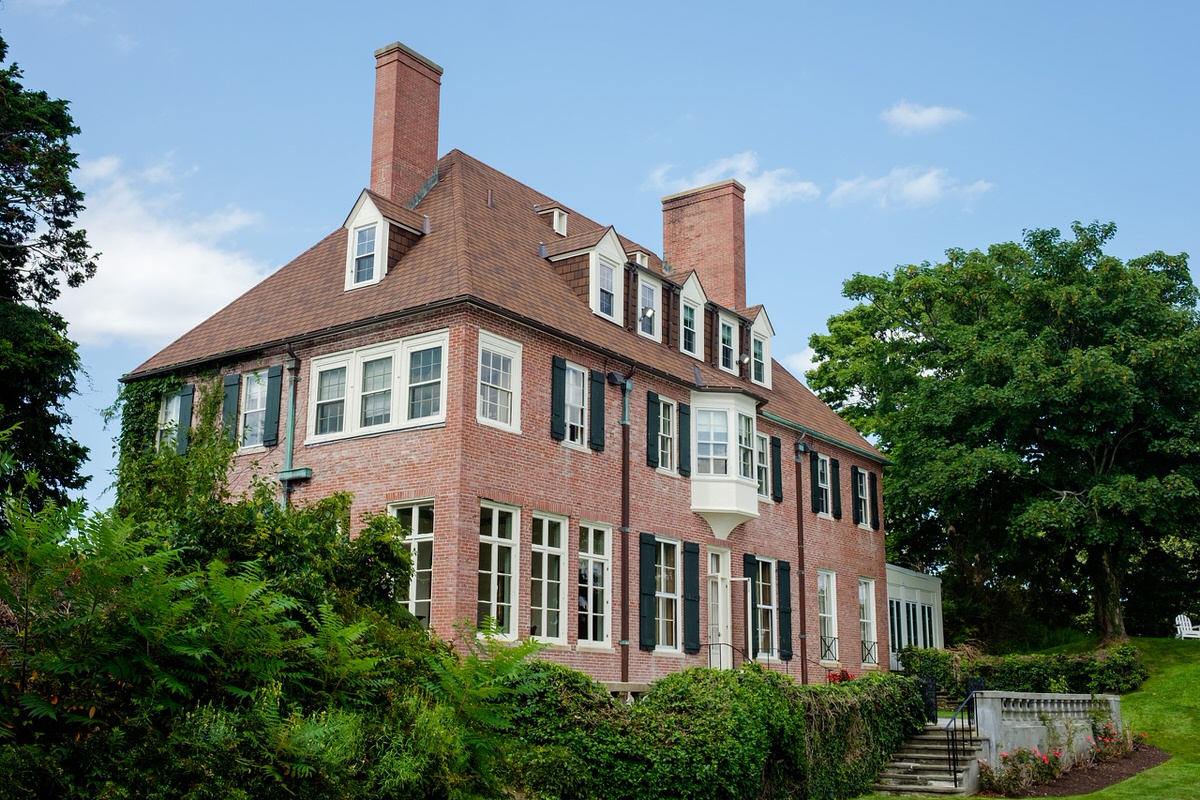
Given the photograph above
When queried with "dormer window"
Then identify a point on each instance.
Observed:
(760, 349)
(606, 272)
(689, 329)
(691, 318)
(758, 360)
(649, 308)
(727, 352)
(364, 255)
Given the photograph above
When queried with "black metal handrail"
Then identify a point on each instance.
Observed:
(870, 652)
(956, 745)
(764, 658)
(829, 648)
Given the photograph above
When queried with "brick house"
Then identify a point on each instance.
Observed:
(590, 443)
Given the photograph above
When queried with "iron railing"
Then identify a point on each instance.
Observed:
(870, 652)
(959, 738)
(829, 648)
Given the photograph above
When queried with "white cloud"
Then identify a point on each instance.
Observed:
(906, 187)
(800, 363)
(765, 189)
(912, 118)
(159, 273)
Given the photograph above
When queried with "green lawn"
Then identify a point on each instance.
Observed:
(1167, 709)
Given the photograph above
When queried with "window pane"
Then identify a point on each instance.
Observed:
(331, 389)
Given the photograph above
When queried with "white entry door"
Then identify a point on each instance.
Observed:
(720, 620)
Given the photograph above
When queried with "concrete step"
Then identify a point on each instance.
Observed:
(948, 791)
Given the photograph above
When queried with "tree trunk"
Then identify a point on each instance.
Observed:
(1106, 594)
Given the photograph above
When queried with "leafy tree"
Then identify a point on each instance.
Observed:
(39, 247)
(1039, 401)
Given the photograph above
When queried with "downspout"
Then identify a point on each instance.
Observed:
(626, 390)
(289, 474)
(801, 450)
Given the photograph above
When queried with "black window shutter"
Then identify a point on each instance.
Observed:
(873, 489)
(691, 597)
(783, 576)
(835, 488)
(596, 423)
(271, 423)
(558, 398)
(749, 569)
(776, 469)
(652, 418)
(233, 385)
(646, 554)
(186, 396)
(685, 439)
(858, 520)
(814, 468)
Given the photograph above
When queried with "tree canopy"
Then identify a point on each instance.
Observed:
(1039, 401)
(39, 248)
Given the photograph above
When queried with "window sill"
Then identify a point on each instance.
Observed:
(580, 448)
(668, 472)
(251, 449)
(315, 441)
(593, 647)
(500, 426)
(662, 651)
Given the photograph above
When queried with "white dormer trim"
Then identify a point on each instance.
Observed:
(761, 333)
(606, 278)
(367, 227)
(692, 296)
(649, 307)
(729, 336)
(640, 257)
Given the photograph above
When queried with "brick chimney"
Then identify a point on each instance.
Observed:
(404, 147)
(705, 230)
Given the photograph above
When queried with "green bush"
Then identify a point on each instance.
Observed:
(1111, 670)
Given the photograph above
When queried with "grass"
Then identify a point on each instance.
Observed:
(1167, 710)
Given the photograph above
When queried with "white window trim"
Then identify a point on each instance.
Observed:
(605, 561)
(411, 540)
(361, 223)
(545, 550)
(618, 288)
(675, 597)
(673, 443)
(866, 624)
(746, 449)
(773, 629)
(505, 347)
(828, 614)
(399, 350)
(699, 415)
(655, 320)
(765, 361)
(514, 588)
(825, 488)
(698, 318)
(260, 376)
(166, 432)
(762, 465)
(723, 323)
(585, 414)
(862, 502)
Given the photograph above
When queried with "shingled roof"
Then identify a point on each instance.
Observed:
(482, 246)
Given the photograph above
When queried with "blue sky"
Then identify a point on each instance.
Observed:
(222, 139)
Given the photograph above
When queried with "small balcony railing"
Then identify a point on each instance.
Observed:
(870, 652)
(829, 648)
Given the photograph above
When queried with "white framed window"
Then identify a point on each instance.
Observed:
(862, 513)
(398, 384)
(866, 620)
(364, 254)
(746, 446)
(649, 308)
(595, 565)
(822, 484)
(498, 552)
(827, 614)
(758, 360)
(690, 339)
(765, 605)
(666, 434)
(499, 382)
(416, 517)
(166, 432)
(607, 295)
(727, 362)
(547, 584)
(762, 465)
(667, 619)
(712, 441)
(576, 399)
(252, 419)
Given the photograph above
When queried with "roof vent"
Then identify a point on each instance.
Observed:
(541, 249)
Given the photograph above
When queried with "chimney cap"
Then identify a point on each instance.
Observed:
(383, 51)
(728, 182)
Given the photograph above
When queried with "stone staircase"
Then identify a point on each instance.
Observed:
(922, 765)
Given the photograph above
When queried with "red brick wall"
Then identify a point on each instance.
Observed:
(704, 230)
(405, 139)
(461, 462)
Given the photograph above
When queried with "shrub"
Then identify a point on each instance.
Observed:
(1020, 769)
(1110, 670)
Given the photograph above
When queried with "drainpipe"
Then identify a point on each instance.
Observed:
(626, 384)
(801, 450)
(289, 474)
